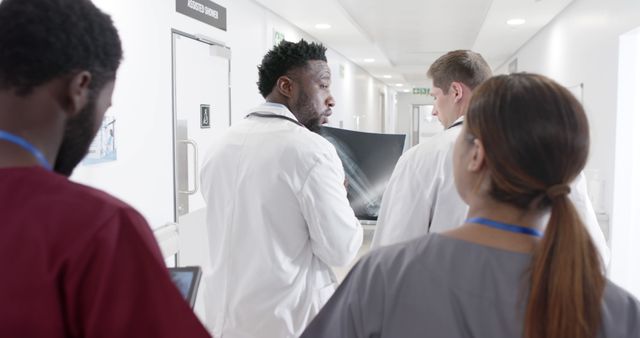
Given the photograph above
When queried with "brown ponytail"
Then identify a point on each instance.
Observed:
(566, 279)
(538, 137)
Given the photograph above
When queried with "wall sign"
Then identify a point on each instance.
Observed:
(277, 37)
(103, 148)
(421, 91)
(205, 116)
(204, 10)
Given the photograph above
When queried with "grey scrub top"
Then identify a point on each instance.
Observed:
(438, 286)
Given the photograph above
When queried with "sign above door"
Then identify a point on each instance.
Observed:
(204, 10)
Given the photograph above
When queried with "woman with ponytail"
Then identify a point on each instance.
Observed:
(522, 264)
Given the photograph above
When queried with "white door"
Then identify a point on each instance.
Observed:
(201, 111)
(425, 125)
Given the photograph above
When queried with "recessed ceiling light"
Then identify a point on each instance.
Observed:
(406, 91)
(369, 60)
(399, 85)
(516, 22)
(386, 76)
(323, 26)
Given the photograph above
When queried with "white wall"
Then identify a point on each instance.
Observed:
(626, 221)
(391, 118)
(581, 46)
(143, 172)
(357, 96)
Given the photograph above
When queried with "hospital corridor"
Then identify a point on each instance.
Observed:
(337, 168)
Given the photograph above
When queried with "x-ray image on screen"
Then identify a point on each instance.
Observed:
(368, 160)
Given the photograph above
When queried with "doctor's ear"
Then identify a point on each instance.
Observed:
(476, 163)
(77, 92)
(284, 85)
(457, 89)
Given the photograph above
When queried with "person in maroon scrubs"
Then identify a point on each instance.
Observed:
(76, 262)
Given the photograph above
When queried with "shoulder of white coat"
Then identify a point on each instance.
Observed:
(429, 149)
(441, 142)
(306, 142)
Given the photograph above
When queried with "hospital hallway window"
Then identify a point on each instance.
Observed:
(625, 221)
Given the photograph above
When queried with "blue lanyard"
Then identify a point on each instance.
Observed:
(505, 226)
(24, 144)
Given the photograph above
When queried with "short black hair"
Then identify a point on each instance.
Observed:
(285, 57)
(41, 40)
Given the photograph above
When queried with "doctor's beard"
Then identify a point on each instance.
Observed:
(79, 132)
(306, 113)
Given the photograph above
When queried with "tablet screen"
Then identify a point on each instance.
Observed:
(187, 280)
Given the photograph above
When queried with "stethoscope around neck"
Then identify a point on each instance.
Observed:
(275, 116)
(24, 144)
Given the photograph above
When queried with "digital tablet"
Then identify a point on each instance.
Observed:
(187, 279)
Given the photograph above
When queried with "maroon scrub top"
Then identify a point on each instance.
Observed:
(77, 262)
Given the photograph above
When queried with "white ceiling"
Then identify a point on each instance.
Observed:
(406, 36)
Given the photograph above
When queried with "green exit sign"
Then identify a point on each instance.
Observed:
(277, 37)
(420, 91)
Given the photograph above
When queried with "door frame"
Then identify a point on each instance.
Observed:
(174, 109)
(415, 122)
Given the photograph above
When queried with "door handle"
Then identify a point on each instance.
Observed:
(196, 172)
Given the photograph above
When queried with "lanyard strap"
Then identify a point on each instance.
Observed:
(505, 226)
(274, 116)
(24, 144)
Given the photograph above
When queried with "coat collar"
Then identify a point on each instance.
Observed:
(456, 123)
(275, 109)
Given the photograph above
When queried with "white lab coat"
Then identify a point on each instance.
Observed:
(277, 218)
(421, 196)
